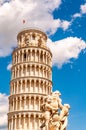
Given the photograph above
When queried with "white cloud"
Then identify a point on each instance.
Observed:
(82, 11)
(9, 66)
(3, 111)
(65, 24)
(64, 50)
(36, 14)
(77, 15)
(83, 8)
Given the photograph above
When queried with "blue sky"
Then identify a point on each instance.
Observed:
(65, 24)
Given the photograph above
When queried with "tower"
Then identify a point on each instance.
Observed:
(31, 80)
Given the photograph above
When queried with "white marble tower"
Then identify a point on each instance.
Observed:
(31, 80)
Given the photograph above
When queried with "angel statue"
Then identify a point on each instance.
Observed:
(54, 114)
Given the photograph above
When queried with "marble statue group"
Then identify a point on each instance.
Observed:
(54, 114)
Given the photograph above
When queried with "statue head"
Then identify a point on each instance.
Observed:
(67, 105)
(57, 93)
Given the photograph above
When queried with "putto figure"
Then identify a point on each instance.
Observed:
(55, 114)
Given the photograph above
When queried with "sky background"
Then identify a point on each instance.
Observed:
(64, 21)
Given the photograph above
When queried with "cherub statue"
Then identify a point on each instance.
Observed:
(54, 113)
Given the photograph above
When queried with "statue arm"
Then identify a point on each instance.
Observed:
(64, 124)
(60, 104)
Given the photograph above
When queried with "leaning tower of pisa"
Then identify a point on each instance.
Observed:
(31, 80)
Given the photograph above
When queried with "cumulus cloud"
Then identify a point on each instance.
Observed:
(82, 11)
(3, 111)
(9, 66)
(65, 24)
(64, 50)
(77, 15)
(83, 8)
(36, 13)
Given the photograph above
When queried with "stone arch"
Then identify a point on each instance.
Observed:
(49, 59)
(37, 56)
(22, 104)
(13, 121)
(19, 86)
(44, 71)
(45, 87)
(18, 103)
(32, 102)
(24, 70)
(28, 85)
(12, 88)
(41, 56)
(24, 55)
(33, 70)
(15, 87)
(32, 86)
(22, 120)
(48, 88)
(41, 86)
(11, 105)
(45, 57)
(20, 69)
(17, 121)
(28, 69)
(14, 104)
(23, 85)
(37, 70)
(36, 121)
(20, 56)
(47, 72)
(41, 100)
(41, 70)
(26, 120)
(13, 73)
(37, 86)
(33, 55)
(17, 71)
(31, 122)
(28, 55)
(27, 102)
(36, 103)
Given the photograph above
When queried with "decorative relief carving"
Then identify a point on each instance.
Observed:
(55, 114)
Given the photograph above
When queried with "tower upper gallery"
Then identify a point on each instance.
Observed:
(32, 49)
(32, 37)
